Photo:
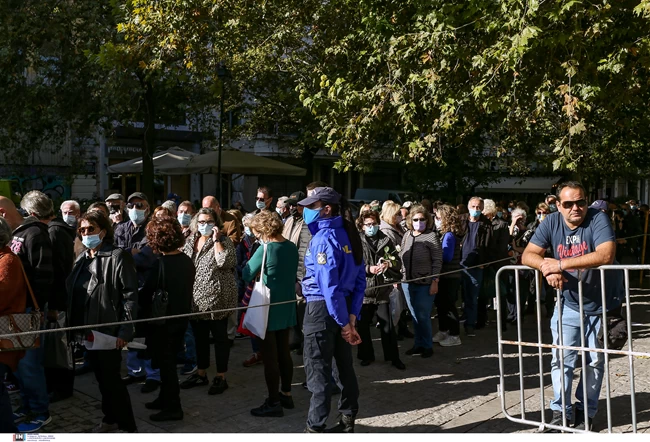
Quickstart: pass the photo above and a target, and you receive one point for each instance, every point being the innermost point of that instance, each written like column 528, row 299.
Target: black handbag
column 160, row 298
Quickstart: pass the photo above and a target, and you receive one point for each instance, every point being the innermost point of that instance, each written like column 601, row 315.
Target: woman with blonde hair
column 280, row 258
column 421, row 255
column 449, row 227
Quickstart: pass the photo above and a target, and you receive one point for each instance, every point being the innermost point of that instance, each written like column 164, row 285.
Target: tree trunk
column 148, row 143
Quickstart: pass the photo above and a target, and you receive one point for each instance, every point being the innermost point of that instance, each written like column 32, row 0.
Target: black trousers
column 59, row 380
column 219, row 328
column 445, row 302
column 278, row 365
column 164, row 359
column 116, row 403
column 323, row 343
column 296, row 337
column 365, row 350
column 6, row 415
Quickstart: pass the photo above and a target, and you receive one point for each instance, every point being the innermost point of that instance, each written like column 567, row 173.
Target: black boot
column 167, row 415
column 268, row 410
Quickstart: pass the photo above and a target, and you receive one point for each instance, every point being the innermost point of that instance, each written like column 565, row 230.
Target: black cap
column 295, row 197
column 140, row 195
column 324, row 194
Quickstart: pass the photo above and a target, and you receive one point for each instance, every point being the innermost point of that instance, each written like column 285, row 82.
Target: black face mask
column 294, row 212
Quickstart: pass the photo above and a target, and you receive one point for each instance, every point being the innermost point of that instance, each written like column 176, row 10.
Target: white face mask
column 438, row 223
column 260, row 205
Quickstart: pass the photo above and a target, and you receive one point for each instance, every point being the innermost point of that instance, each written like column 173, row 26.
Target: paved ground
column 454, row 391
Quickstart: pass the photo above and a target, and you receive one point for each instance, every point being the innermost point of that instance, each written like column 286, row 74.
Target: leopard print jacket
column 215, row 287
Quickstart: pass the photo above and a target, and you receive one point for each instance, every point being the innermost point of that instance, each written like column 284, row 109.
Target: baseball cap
column 140, row 195
column 295, row 197
column 115, row 196
column 599, row 205
column 324, row 194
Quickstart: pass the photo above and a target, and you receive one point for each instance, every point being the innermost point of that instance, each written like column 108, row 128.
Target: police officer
column 333, row 287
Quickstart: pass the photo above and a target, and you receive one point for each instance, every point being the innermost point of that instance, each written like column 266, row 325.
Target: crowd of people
column 335, row 276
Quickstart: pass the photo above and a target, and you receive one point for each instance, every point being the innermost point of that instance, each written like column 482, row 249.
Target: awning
column 233, row 162
column 520, row 185
column 174, row 156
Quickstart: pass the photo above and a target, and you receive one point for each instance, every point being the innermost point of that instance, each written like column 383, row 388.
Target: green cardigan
column 280, row 277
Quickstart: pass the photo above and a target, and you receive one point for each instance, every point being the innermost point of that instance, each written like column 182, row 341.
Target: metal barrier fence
column 582, row 348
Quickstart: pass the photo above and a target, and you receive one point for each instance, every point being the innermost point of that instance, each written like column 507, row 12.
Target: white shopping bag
column 102, row 341
column 256, row 318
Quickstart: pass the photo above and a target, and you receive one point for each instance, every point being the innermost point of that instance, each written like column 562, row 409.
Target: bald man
column 231, row 226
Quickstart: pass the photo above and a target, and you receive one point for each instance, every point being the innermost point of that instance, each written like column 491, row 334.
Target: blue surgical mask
column 633, row 207
column 499, row 214
column 260, row 205
column 509, row 209
column 311, row 215
column 206, row 229
column 475, row 213
column 552, row 207
column 624, row 212
column 70, row 220
column 91, row 241
column 137, row 216
column 247, row 231
column 371, row 230
column 184, row 219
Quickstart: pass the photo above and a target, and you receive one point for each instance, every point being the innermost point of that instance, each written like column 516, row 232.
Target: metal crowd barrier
column 630, row 353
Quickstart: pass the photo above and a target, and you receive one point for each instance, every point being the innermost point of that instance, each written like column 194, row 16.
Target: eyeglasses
column 205, row 222
column 419, row 219
column 86, row 230
column 569, row 204
column 135, row 205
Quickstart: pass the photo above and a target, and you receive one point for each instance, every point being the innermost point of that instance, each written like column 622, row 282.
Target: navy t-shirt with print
column 565, row 243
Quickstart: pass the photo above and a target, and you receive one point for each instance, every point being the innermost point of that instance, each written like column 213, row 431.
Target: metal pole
column 606, row 347
column 585, row 367
column 223, row 92
column 628, row 311
column 561, row 354
column 538, row 284
column 521, row 356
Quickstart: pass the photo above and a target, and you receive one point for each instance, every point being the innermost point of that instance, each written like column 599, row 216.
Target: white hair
column 38, row 204
column 169, row 204
column 282, row 201
column 75, row 204
column 489, row 207
column 519, row 212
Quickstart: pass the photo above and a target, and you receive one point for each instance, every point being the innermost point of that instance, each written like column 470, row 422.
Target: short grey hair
column 169, row 204
column 5, row 232
column 38, row 203
column 75, row 204
column 519, row 212
column 247, row 219
column 282, row 201
column 489, row 207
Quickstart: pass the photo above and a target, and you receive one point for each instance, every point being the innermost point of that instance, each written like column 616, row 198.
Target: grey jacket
column 421, row 256
column 112, row 291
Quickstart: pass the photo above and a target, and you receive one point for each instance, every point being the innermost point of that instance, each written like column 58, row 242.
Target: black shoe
column 345, row 425
column 149, row 386
column 556, row 420
column 414, row 351
column 167, row 415
column 426, row 353
column 580, row 421
column 219, row 385
column 268, row 410
column 367, row 362
column 287, row 402
column 399, row 364
column 154, row 405
column 194, row 381
column 470, row 331
column 128, row 380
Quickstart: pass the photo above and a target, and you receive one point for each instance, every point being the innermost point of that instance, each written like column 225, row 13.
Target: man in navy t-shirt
column 581, row 238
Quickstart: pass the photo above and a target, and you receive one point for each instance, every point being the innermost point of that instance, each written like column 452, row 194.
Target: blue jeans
column 471, row 280
column 140, row 368
column 592, row 374
column 420, row 303
column 190, row 346
column 31, row 379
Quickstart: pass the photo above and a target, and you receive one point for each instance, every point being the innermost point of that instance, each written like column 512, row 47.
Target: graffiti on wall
column 52, row 185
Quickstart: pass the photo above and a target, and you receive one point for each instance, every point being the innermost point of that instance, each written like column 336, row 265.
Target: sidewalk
column 454, row 391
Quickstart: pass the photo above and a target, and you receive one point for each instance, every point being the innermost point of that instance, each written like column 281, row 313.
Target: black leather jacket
column 112, row 291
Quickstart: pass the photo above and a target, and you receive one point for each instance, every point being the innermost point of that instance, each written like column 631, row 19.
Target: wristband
column 559, row 264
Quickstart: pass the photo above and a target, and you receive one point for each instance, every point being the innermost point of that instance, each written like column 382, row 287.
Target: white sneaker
column 440, row 336
column 450, row 341
column 103, row 427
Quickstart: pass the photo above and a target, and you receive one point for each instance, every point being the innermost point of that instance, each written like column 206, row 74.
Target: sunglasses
column 569, row 204
column 260, row 199
column 86, row 230
column 135, row 206
column 419, row 219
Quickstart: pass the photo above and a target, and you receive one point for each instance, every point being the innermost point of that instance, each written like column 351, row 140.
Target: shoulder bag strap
column 161, row 275
column 263, row 264
column 29, row 286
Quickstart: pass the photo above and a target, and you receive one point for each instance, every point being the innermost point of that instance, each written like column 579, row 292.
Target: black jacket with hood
column 112, row 290
column 62, row 237
column 31, row 242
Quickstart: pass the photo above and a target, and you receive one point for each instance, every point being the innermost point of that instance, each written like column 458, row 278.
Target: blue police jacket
column 331, row 273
